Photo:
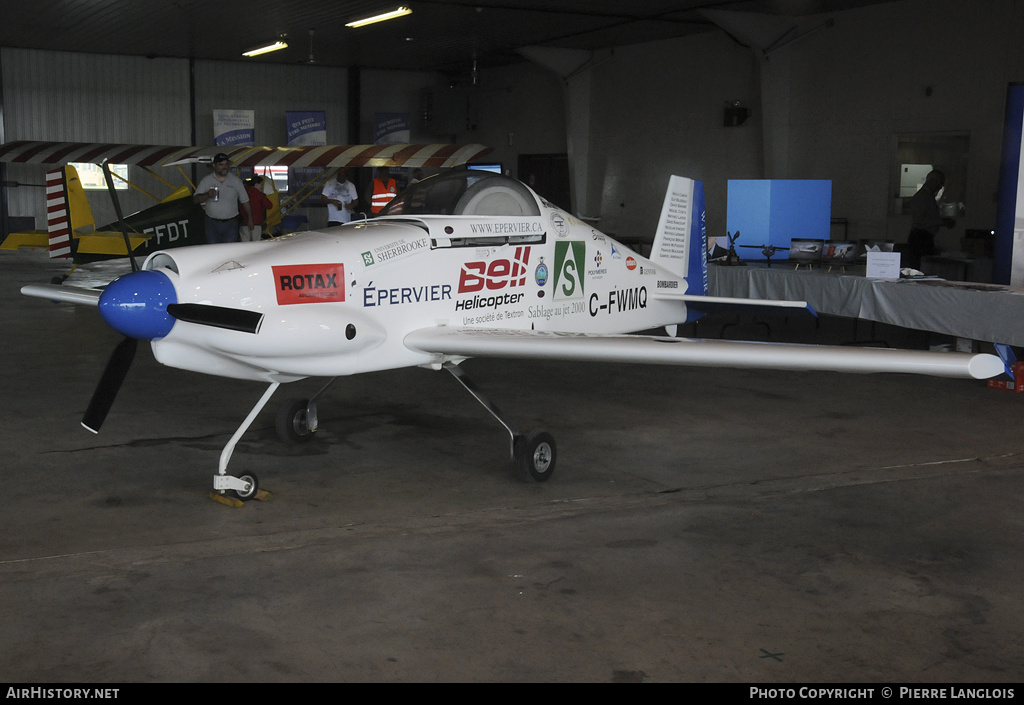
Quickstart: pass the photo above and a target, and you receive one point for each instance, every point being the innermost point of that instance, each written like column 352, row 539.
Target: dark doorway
column 548, row 175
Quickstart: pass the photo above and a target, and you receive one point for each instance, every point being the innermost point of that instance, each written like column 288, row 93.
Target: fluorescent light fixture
column 266, row 48
column 400, row 12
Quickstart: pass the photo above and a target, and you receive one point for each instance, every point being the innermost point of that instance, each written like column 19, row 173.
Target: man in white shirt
column 340, row 197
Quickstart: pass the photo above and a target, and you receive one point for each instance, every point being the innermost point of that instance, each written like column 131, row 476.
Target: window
column 92, row 178
column 916, row 155
column 279, row 174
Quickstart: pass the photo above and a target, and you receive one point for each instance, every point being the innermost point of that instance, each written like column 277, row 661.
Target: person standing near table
column 925, row 220
column 222, row 196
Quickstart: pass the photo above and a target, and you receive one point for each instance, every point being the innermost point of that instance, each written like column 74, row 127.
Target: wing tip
column 986, row 366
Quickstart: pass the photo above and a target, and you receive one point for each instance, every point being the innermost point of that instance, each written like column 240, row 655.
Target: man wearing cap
column 222, row 195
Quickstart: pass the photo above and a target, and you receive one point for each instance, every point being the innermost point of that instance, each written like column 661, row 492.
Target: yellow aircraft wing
column 31, row 238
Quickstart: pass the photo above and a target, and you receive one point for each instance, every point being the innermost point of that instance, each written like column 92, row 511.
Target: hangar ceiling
column 439, row 36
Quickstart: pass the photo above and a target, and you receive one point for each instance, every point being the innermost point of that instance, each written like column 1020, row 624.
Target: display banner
column 305, row 128
column 234, row 128
column 392, row 128
column 772, row 212
column 1008, row 264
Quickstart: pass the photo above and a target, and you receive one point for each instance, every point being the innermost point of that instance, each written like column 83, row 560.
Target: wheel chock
column 226, row 501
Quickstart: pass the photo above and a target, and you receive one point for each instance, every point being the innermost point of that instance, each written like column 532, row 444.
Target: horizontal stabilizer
column 36, row 239
column 725, row 304
column 463, row 342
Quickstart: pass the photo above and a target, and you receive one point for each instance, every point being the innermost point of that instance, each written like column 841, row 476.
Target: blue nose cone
column 136, row 305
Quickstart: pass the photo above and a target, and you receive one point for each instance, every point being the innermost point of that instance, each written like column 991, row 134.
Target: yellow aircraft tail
column 67, row 209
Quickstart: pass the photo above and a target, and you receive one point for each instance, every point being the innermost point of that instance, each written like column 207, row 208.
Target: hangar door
column 548, row 175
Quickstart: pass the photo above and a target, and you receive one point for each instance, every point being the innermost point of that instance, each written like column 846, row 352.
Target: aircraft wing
column 466, row 342
column 431, row 156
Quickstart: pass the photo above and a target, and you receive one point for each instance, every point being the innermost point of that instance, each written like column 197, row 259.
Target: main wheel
column 535, row 456
column 253, row 487
column 291, row 422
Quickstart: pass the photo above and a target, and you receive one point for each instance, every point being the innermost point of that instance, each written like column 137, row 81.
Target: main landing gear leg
column 534, row 453
column 244, row 486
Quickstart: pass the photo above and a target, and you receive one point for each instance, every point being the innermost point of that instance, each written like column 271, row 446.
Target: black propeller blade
column 106, row 391
column 217, row 316
column 120, row 218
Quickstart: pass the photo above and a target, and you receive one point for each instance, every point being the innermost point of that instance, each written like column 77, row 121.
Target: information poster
column 305, row 128
column 234, row 128
column 883, row 265
column 392, row 128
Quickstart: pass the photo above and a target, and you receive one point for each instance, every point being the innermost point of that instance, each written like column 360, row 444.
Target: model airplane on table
column 464, row 264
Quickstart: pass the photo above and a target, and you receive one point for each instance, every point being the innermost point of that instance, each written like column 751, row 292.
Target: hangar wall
column 521, row 111
column 933, row 67
column 656, row 109
column 845, row 93
column 94, row 97
column 89, row 98
column 269, row 90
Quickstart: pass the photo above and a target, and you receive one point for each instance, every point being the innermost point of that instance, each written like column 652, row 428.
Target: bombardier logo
column 309, row 283
column 498, row 274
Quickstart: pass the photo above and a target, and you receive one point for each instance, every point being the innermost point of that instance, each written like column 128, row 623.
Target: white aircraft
column 465, row 264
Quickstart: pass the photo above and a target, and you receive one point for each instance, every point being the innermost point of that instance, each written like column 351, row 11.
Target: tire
column 291, row 422
column 254, row 486
column 535, row 456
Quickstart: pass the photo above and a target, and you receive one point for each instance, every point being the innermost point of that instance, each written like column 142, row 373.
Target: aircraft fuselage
column 340, row 301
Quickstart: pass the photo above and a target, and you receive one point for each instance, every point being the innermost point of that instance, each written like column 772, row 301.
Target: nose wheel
column 244, row 486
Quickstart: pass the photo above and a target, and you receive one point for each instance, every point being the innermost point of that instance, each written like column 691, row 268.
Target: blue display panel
column 1010, row 186
column 774, row 212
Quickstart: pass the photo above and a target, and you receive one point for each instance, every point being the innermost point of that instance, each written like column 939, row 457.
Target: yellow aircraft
column 175, row 221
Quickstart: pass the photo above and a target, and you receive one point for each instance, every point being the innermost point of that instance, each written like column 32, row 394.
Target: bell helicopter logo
column 499, row 274
column 309, row 283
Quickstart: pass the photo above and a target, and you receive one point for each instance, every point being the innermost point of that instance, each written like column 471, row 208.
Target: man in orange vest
column 381, row 190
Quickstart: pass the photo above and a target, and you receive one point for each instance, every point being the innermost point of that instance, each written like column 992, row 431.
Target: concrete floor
column 702, row 526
